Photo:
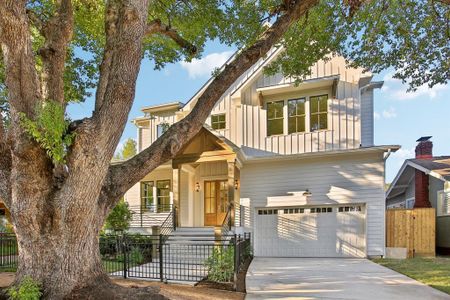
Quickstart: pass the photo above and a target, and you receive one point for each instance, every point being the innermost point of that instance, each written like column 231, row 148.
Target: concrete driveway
column 331, row 278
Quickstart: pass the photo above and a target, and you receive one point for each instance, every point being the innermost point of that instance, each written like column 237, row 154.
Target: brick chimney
column 424, row 150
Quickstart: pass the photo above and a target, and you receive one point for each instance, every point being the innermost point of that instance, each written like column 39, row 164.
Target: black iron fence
column 8, row 252
column 177, row 258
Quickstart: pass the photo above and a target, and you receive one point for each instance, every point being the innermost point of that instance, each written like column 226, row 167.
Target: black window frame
column 315, row 116
column 296, row 116
column 276, row 118
column 218, row 124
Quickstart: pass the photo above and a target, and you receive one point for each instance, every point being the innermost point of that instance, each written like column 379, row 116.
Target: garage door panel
column 330, row 234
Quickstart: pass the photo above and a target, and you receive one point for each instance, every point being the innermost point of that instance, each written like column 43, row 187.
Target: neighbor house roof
column 438, row 167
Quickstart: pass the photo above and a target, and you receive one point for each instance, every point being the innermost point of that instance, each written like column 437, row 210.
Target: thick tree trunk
column 60, row 252
column 60, row 262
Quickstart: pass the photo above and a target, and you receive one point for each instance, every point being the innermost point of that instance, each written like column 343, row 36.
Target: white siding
column 367, row 119
column 349, row 118
column 349, row 179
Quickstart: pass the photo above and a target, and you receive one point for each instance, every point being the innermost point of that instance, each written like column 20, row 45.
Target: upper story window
column 218, row 121
column 296, row 115
column 318, row 112
column 161, row 128
column 305, row 114
column 275, row 118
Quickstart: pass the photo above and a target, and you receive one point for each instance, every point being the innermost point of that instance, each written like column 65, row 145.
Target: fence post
column 174, row 217
column 161, row 273
column 125, row 257
column 236, row 261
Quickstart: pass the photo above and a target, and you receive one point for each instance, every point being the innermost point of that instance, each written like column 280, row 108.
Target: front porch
column 200, row 186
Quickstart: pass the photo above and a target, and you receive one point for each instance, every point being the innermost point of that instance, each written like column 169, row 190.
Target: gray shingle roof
column 438, row 164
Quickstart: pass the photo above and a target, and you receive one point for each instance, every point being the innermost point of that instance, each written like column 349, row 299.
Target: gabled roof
column 438, row 167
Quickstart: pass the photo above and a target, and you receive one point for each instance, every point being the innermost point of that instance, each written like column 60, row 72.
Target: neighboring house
column 297, row 164
column 425, row 182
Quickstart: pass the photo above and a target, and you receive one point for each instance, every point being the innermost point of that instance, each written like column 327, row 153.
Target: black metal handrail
column 226, row 224
column 169, row 224
column 147, row 216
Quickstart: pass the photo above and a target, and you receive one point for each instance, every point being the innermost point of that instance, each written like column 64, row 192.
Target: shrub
column 28, row 289
column 136, row 256
column 119, row 218
column 221, row 265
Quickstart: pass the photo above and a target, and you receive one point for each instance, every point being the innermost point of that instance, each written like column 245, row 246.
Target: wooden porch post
column 231, row 190
column 176, row 190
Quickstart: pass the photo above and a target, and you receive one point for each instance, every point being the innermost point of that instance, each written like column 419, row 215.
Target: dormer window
column 297, row 115
column 318, row 112
column 275, row 118
column 218, row 121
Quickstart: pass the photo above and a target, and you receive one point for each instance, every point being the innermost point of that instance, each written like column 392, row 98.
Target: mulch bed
column 229, row 286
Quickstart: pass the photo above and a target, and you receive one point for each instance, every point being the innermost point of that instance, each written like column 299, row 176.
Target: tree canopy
column 411, row 36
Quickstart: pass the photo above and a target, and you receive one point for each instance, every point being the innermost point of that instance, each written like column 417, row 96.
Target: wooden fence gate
column 413, row 229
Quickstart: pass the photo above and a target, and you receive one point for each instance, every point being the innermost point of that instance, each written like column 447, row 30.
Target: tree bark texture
column 57, row 219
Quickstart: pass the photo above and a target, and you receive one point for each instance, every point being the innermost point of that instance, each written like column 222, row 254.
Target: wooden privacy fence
column 413, row 229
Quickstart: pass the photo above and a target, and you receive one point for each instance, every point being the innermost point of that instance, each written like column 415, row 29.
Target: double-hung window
column 275, row 118
column 147, row 200
column 296, row 115
column 163, row 194
column 318, row 112
column 218, row 121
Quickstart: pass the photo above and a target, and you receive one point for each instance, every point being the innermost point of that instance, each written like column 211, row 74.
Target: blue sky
column 400, row 117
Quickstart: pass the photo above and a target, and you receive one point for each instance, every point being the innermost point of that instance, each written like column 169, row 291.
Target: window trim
column 439, row 207
column 219, row 122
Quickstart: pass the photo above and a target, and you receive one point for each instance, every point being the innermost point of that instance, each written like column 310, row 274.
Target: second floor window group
column 300, row 114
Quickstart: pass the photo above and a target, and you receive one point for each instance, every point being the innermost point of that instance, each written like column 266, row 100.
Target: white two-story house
column 295, row 165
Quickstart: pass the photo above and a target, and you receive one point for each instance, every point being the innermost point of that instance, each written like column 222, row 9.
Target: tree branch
column 157, row 27
column 111, row 18
column 123, row 176
column 57, row 32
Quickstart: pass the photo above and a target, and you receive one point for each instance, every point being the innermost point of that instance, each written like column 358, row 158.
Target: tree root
column 109, row 291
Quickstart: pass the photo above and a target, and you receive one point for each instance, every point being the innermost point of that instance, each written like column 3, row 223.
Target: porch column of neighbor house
column 232, row 192
column 176, row 191
column 155, row 198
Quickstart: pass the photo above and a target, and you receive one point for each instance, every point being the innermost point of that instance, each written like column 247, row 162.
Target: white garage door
column 321, row 231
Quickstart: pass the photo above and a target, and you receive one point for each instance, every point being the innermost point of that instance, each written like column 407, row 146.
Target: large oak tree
column 55, row 175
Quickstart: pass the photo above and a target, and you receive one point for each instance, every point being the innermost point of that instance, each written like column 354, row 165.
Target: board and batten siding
column 355, row 178
column 350, row 117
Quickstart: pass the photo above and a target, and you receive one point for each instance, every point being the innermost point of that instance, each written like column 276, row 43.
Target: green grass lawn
column 434, row 272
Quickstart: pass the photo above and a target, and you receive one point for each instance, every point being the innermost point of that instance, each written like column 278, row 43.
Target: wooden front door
column 216, row 202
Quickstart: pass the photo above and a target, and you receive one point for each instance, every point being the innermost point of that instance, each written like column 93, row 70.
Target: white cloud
column 204, row 66
column 389, row 113
column 385, row 114
column 403, row 154
column 397, row 90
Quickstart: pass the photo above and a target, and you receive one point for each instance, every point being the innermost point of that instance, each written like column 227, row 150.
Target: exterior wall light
column 197, row 187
